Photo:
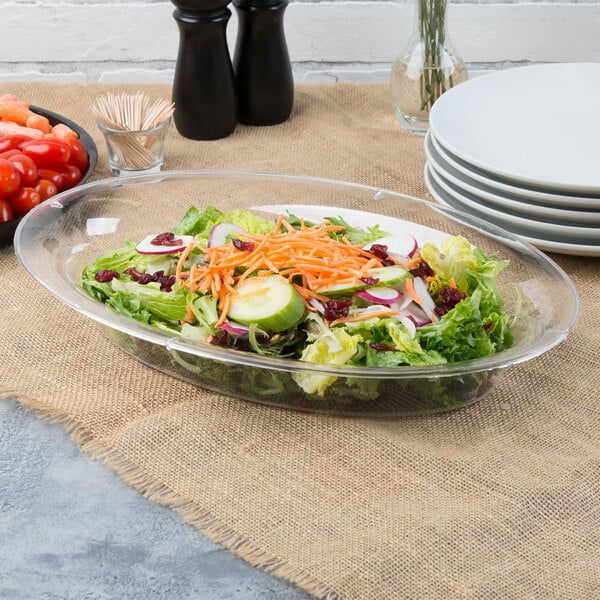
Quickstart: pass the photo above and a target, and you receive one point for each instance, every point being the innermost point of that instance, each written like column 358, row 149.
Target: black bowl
column 7, row 229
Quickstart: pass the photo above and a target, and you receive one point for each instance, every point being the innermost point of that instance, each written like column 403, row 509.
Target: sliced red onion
column 235, row 329
column 147, row 247
column 317, row 304
column 422, row 290
column 416, row 314
column 219, row 233
column 402, row 244
column 409, row 324
column 399, row 258
column 380, row 295
column 373, row 308
column 404, row 301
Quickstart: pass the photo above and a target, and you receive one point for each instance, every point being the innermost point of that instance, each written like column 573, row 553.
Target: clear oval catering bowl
column 58, row 238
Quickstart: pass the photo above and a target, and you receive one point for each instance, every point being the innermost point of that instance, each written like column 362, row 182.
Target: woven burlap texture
column 497, row 500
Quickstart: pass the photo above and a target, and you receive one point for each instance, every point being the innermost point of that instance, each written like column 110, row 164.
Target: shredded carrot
column 182, row 259
column 308, row 257
column 452, row 283
column 224, row 310
column 190, row 315
column 413, row 262
column 410, row 288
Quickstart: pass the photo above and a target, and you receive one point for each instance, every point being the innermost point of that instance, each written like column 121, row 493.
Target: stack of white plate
column 521, row 148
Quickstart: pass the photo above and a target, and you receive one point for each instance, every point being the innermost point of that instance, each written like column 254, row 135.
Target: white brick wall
column 334, row 40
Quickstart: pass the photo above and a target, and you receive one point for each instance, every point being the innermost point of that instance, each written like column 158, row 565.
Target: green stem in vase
column 432, row 31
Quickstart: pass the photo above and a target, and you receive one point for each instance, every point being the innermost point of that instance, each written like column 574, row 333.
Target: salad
column 325, row 292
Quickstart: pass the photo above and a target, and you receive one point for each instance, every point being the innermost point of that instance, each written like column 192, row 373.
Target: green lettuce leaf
column 358, row 236
column 406, row 350
column 460, row 334
column 334, row 349
column 147, row 302
column 248, row 222
column 198, row 222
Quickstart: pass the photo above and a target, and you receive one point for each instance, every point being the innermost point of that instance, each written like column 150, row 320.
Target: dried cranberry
column 422, row 270
column 142, row 278
column 379, row 250
column 450, row 297
column 382, row 347
column 245, row 246
column 370, row 280
column 106, row 275
column 387, row 262
column 166, row 239
column 166, row 281
column 336, row 309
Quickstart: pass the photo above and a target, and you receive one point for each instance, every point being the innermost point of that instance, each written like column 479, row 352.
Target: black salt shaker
column 265, row 85
column 204, row 91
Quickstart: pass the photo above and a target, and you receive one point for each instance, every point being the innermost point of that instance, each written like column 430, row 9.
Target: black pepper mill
column 265, row 85
column 204, row 85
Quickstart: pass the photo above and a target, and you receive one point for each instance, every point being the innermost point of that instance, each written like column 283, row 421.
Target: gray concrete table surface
column 71, row 529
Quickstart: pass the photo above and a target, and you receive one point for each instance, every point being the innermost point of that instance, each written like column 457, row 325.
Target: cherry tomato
column 6, row 211
column 79, row 157
column 54, row 176
column 46, row 189
column 13, row 141
column 50, row 153
column 24, row 200
column 9, row 178
column 9, row 153
column 71, row 175
column 27, row 169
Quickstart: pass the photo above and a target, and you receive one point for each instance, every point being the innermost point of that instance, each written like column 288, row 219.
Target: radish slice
column 180, row 243
column 235, row 329
column 400, row 244
column 381, row 295
column 422, row 290
column 219, row 233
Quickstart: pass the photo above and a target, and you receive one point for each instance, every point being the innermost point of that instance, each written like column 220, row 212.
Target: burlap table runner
column 498, row 500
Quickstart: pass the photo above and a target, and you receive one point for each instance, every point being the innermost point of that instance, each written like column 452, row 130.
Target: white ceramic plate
column 563, row 247
column 566, row 233
column 506, row 202
column 484, row 181
column 538, row 125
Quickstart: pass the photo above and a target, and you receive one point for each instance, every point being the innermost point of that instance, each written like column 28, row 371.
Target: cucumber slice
column 386, row 276
column 342, row 289
column 389, row 276
column 269, row 302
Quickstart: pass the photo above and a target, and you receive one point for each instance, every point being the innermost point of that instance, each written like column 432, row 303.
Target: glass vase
column 427, row 66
